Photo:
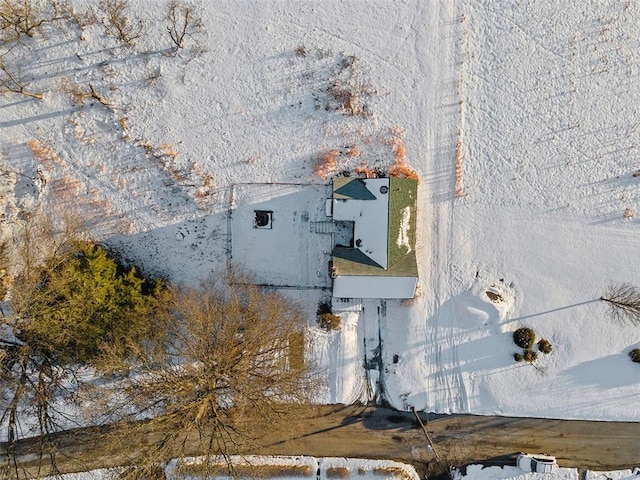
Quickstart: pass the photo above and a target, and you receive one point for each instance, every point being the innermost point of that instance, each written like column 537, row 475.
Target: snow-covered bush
column 530, row 356
column 545, row 346
column 524, row 338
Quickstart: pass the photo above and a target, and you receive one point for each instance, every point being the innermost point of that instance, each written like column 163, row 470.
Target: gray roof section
column 354, row 189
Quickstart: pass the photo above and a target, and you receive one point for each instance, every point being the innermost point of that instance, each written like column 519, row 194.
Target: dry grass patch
column 400, row 169
column 396, row 472
column 124, row 125
column 326, row 163
column 117, row 22
column 296, row 350
column 338, row 472
column 352, row 151
column 44, row 154
column 348, row 93
column 329, row 321
column 80, row 94
column 459, row 168
column 66, row 189
column 5, row 279
column 245, row 470
column 364, row 170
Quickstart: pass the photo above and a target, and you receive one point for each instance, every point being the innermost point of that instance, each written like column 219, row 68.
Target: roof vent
column 384, row 189
column 358, row 243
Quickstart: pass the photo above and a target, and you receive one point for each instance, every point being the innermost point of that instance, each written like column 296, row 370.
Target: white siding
column 374, row 287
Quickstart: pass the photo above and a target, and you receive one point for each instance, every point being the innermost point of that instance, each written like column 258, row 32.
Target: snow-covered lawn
column 480, row 472
column 333, row 467
column 283, row 468
column 548, row 128
column 520, row 118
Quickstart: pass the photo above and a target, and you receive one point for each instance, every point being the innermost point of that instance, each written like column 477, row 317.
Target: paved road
column 463, row 439
column 375, row 432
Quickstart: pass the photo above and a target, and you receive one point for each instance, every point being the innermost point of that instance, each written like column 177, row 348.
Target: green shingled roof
column 405, row 267
column 403, row 195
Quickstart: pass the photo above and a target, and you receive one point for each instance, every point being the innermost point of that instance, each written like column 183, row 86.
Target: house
column 374, row 236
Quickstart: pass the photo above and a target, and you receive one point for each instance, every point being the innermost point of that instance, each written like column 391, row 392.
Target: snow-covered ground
column 481, row 472
column 319, row 468
column 332, row 467
column 548, row 128
column 520, row 118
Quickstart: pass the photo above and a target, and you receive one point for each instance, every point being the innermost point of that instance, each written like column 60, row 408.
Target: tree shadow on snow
column 612, row 371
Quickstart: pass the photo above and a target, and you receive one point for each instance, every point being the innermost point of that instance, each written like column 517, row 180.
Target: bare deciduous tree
column 30, row 379
column 624, row 300
column 20, row 17
column 70, row 306
column 11, row 83
column 229, row 364
column 80, row 94
column 118, row 23
column 183, row 21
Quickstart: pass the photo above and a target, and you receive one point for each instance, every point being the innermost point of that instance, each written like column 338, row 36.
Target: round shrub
column 518, row 357
column 635, row 355
column 524, row 338
column 545, row 346
column 530, row 356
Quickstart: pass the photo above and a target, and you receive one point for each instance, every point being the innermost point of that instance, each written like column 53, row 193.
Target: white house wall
column 362, row 286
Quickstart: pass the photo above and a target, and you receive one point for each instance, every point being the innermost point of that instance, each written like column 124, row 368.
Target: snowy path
column 337, row 357
column 430, row 365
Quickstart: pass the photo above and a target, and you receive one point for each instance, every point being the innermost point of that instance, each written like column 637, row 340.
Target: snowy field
column 520, row 117
column 548, row 122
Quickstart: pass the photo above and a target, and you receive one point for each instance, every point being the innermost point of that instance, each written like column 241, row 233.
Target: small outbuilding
column 375, row 231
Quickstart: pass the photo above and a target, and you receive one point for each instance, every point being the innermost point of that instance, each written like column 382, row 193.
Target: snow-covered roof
column 382, row 252
column 370, row 215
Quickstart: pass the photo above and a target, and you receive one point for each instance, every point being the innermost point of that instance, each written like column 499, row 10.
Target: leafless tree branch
column 183, row 21
column 624, row 302
column 118, row 23
column 20, row 17
column 228, row 363
column 10, row 83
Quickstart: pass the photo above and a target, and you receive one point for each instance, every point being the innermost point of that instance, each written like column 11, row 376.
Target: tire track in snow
column 446, row 380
